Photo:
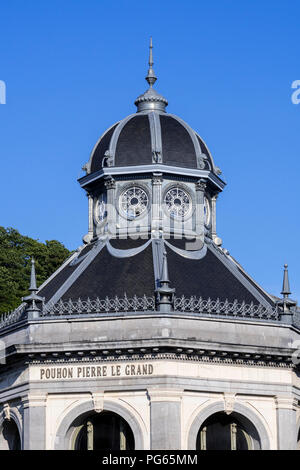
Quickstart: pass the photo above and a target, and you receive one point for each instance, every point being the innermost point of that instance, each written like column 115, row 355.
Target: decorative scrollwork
column 117, row 304
column 195, row 305
column 218, row 307
column 8, row 318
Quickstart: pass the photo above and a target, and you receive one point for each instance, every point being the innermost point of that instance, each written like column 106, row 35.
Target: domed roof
column 151, row 137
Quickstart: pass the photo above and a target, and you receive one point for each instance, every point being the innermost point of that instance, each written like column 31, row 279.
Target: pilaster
column 156, row 222
column 214, row 216
column 91, row 218
column 200, row 216
column 165, row 419
column 34, row 422
column 110, row 185
column 286, row 423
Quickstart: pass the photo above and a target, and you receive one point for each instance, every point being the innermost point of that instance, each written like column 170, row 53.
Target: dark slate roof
column 101, row 148
column 134, row 143
column 207, row 278
column 105, row 275
column 211, row 277
column 177, row 145
column 110, row 276
column 131, row 141
column 61, row 276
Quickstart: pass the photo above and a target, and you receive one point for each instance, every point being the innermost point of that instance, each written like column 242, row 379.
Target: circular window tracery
column 178, row 202
column 133, row 202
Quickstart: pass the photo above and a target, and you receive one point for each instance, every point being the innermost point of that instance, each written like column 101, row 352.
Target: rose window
column 133, row 202
column 178, row 202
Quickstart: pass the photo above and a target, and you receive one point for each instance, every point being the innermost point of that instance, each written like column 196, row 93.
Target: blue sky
column 73, row 68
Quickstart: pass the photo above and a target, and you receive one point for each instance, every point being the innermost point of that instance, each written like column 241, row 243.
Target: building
column 151, row 335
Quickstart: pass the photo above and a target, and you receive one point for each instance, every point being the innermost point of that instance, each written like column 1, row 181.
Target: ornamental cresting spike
column 32, row 309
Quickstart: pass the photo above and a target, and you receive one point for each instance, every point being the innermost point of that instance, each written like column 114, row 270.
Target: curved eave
column 154, row 168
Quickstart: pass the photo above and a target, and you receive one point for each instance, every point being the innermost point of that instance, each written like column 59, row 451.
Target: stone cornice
column 211, row 356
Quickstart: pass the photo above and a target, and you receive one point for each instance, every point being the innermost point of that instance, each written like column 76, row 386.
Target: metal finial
column 286, row 291
column 150, row 53
column 151, row 100
column 151, row 77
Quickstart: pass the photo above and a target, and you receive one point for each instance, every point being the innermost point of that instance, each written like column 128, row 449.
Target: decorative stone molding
column 108, row 159
column 287, row 403
column 165, row 395
column 110, row 183
column 98, row 399
column 201, row 185
column 6, row 411
column 157, row 178
column 156, row 156
column 150, row 352
column 229, row 400
column 34, row 400
column 201, row 161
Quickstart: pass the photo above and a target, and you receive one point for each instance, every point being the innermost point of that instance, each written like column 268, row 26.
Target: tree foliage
column 16, row 251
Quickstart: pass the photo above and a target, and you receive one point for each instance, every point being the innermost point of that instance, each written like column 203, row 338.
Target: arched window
column 224, row 432
column 9, row 436
column 104, row 431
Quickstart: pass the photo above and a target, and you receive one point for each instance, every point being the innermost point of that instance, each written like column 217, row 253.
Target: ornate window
column 101, row 211
column 133, row 202
column 178, row 202
column 223, row 432
column 104, row 431
column 206, row 211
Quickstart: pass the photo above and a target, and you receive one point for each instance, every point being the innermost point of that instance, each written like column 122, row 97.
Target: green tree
column 16, row 251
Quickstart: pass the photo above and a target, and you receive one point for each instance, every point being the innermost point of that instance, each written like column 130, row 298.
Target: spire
column 151, row 77
column 32, row 287
column 164, row 280
column 164, row 292
column 285, row 303
column 33, row 297
column 151, row 100
column 286, row 291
